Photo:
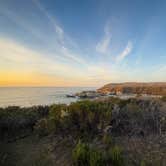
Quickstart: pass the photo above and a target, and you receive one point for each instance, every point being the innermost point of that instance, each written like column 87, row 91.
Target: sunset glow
column 40, row 47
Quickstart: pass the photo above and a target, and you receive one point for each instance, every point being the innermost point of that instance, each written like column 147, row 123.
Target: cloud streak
column 56, row 61
column 35, row 68
column 23, row 58
column 58, row 29
column 62, row 37
column 103, row 45
column 57, row 43
column 125, row 52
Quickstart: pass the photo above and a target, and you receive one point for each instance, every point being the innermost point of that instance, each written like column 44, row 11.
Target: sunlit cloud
column 37, row 49
column 20, row 56
column 125, row 52
column 103, row 45
column 57, row 40
column 35, row 68
column 66, row 52
column 31, row 67
column 63, row 38
column 23, row 66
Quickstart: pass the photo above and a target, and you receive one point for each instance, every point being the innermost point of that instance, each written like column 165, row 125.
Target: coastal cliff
column 155, row 88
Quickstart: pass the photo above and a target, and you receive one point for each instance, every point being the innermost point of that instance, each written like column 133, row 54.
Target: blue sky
column 82, row 43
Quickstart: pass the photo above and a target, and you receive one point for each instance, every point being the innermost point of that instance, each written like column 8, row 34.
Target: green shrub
column 116, row 157
column 41, row 127
column 113, row 156
column 163, row 98
column 56, row 111
column 107, row 139
column 142, row 163
column 88, row 117
column 96, row 158
column 81, row 154
column 55, row 117
column 17, row 120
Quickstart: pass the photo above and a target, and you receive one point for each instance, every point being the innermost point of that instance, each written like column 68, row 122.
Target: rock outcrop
column 155, row 88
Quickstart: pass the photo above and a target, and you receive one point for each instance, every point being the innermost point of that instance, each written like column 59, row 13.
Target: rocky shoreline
column 98, row 94
column 125, row 90
column 139, row 88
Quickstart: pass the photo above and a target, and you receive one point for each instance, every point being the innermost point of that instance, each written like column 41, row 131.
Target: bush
column 15, row 121
column 81, row 154
column 55, row 117
column 107, row 139
column 142, row 163
column 116, row 156
column 41, row 127
column 55, row 111
column 96, row 158
column 88, row 117
column 84, row 155
column 163, row 98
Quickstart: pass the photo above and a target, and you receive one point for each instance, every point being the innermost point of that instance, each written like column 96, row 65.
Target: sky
column 82, row 42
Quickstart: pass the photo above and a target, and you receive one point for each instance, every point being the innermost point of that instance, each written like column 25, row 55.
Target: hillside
column 104, row 132
column 155, row 88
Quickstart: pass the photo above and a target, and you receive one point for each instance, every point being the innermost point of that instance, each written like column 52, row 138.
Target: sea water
column 29, row 96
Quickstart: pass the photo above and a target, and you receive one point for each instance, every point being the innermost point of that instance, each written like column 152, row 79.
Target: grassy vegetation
column 102, row 126
column 83, row 155
column 15, row 120
column 163, row 98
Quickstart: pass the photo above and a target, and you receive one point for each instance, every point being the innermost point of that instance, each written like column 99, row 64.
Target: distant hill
column 151, row 88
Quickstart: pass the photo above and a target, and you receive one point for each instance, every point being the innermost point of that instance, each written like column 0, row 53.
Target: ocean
column 29, row 96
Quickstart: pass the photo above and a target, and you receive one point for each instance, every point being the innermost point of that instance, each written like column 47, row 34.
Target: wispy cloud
column 17, row 56
column 62, row 37
column 125, row 52
column 63, row 63
column 68, row 54
column 35, row 68
column 103, row 45
column 58, row 28
column 56, row 40
column 20, row 61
